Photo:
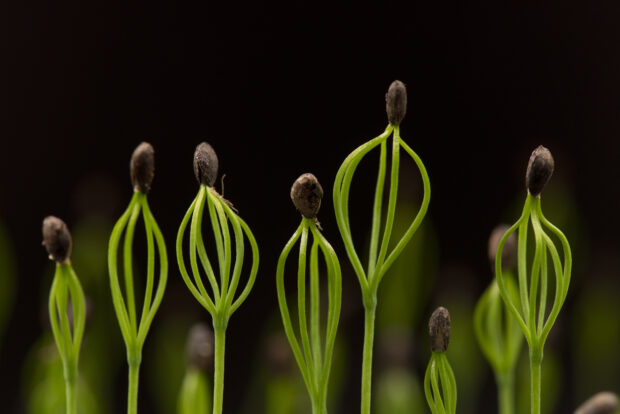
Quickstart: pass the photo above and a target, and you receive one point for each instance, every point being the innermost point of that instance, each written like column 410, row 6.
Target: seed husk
column 142, row 167
column 206, row 164
column 57, row 239
column 306, row 194
column 539, row 170
column 439, row 329
column 396, row 102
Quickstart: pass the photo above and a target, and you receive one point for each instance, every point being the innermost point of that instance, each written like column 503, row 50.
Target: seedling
column 222, row 303
column 313, row 357
column 379, row 259
column 531, row 312
column 134, row 331
column 439, row 381
column 497, row 331
column 195, row 396
column 66, row 298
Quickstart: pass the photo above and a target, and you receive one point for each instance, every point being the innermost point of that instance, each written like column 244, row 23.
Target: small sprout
column 396, row 102
column 509, row 254
column 57, row 239
column 539, row 170
column 142, row 167
column 306, row 194
column 205, row 164
column 439, row 329
column 601, row 403
column 199, row 346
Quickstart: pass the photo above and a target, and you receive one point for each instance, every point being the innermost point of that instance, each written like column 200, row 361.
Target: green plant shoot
column 313, row 356
column 497, row 331
column 439, row 381
column 531, row 311
column 379, row 259
column 134, row 327
column 222, row 303
column 67, row 305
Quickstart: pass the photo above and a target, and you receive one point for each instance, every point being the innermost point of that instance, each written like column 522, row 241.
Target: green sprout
column 134, row 331
column 531, row 313
column 67, row 305
column 313, row 357
column 497, row 331
column 379, row 259
column 195, row 396
column 222, row 304
column 439, row 381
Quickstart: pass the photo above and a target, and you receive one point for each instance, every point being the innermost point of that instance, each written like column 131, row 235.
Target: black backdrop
column 281, row 88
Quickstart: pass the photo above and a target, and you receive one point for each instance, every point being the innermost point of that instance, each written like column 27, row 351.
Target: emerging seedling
column 221, row 304
column 439, row 381
column 66, row 299
column 134, row 330
column 531, row 310
column 194, row 396
column 601, row 403
column 497, row 331
column 313, row 356
column 380, row 259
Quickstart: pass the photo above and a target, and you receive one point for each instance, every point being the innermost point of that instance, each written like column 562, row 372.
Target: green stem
column 369, row 334
column 319, row 407
column 71, row 395
column 535, row 373
column 505, row 392
column 132, row 395
column 218, row 375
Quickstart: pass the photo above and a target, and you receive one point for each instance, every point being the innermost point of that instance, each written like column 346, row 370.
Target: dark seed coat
column 142, row 167
column 306, row 194
column 200, row 346
column 396, row 102
column 206, row 164
column 509, row 253
column 439, row 329
column 539, row 170
column 57, row 239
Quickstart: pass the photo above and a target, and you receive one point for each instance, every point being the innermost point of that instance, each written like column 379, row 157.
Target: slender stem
column 535, row 374
column 505, row 392
column 71, row 395
column 369, row 334
column 218, row 375
column 132, row 395
column 319, row 406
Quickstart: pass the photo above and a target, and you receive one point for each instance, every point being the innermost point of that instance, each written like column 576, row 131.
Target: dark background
column 282, row 88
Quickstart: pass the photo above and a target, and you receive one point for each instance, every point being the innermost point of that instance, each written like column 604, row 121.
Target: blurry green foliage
column 595, row 331
column 398, row 390
column 44, row 384
column 195, row 394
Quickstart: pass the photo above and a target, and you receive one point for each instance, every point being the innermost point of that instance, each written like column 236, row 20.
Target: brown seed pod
column 396, row 102
column 439, row 329
column 539, row 170
column 199, row 346
column 206, row 164
column 142, row 167
column 509, row 253
column 306, row 194
column 601, row 403
column 57, row 239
